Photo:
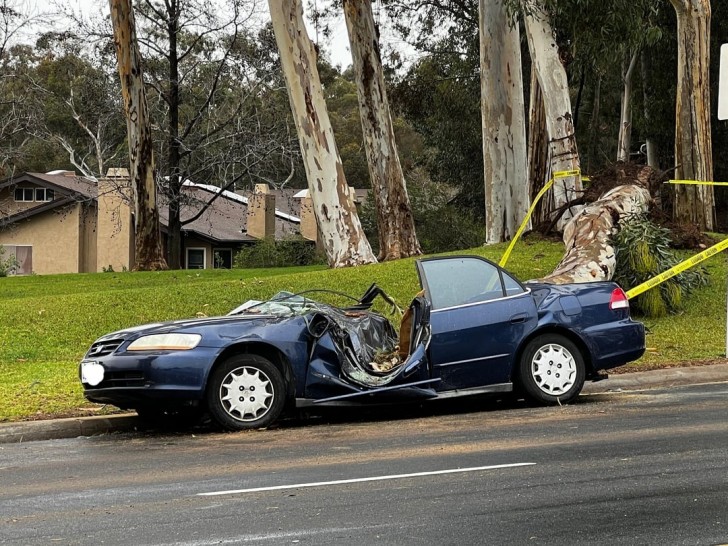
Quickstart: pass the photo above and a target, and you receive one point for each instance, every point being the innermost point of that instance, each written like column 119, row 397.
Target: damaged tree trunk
column 503, row 120
column 396, row 225
column 343, row 237
column 147, row 244
column 589, row 253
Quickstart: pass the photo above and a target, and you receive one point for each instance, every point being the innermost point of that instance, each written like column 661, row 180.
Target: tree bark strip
column 538, row 152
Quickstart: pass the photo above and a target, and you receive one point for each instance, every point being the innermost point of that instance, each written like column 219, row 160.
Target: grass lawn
column 48, row 322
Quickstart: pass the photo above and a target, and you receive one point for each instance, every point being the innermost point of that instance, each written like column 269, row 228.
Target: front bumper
column 133, row 379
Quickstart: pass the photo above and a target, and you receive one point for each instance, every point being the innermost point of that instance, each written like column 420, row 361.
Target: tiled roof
column 225, row 220
column 69, row 181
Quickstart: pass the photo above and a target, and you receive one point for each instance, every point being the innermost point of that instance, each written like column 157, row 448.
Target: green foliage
column 643, row 251
column 286, row 253
column 441, row 226
column 6, row 264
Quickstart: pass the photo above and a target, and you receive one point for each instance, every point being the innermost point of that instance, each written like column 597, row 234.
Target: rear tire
column 246, row 392
column 551, row 370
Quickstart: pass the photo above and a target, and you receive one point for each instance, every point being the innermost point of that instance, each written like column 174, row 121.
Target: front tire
column 551, row 370
column 245, row 392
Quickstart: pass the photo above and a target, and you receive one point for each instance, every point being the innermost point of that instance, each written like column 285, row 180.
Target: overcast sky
column 337, row 45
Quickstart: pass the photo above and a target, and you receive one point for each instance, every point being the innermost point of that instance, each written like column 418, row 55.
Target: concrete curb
column 663, row 378
column 52, row 429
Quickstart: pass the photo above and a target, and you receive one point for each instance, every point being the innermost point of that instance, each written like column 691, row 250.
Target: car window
column 459, row 281
column 512, row 286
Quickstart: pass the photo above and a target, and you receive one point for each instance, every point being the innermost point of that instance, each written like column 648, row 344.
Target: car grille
column 122, row 379
column 103, row 348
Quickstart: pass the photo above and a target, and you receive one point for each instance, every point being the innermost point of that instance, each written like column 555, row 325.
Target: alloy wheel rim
column 553, row 368
column 246, row 394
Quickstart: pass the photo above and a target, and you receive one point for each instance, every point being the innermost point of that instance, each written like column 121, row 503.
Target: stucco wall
column 54, row 236
column 114, row 229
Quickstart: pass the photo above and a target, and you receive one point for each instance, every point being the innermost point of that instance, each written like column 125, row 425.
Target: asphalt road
column 628, row 468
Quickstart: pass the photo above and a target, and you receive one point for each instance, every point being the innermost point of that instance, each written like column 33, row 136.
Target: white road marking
column 360, row 480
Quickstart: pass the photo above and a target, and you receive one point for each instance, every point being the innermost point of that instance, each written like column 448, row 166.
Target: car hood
column 198, row 325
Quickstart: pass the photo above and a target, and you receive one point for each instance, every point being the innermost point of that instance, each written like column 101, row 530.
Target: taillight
column 618, row 300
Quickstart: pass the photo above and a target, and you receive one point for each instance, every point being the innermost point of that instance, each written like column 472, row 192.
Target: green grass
column 48, row 322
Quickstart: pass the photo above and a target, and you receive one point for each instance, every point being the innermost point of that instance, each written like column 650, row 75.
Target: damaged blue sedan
column 472, row 329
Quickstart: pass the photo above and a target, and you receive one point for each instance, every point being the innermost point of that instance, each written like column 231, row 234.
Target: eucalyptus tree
column 563, row 154
column 504, row 127
column 343, row 237
column 183, row 40
column 147, row 245
column 694, row 204
column 396, row 227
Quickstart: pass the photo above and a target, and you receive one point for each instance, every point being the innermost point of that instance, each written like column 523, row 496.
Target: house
column 59, row 222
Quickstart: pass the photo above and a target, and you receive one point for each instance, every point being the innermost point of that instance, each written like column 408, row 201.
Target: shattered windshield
column 283, row 304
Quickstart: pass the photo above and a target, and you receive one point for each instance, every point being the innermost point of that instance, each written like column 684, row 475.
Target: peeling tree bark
column 693, row 146
column 537, row 151
column 343, row 237
column 397, row 236
column 503, row 120
column 147, row 243
column 559, row 120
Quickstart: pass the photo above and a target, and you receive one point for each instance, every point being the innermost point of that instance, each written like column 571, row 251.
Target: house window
column 43, row 194
column 222, row 258
column 24, row 195
column 195, row 258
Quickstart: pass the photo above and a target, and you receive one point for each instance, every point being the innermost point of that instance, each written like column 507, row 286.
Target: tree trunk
column 343, row 237
column 174, row 186
column 624, row 140
column 594, row 122
column 650, row 144
column 396, row 226
column 589, row 253
column 693, row 147
column 559, row 120
column 538, row 153
column 147, row 244
column 504, row 126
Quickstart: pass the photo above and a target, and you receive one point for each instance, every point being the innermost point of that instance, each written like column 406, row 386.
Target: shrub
column 7, row 264
column 270, row 253
column 440, row 226
column 643, row 251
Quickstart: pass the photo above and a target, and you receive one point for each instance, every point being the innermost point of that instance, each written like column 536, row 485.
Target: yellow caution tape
column 697, row 183
column 566, row 174
column 557, row 175
column 676, row 270
column 507, row 253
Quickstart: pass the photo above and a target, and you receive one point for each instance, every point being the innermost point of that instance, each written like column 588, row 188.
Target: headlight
column 166, row 342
